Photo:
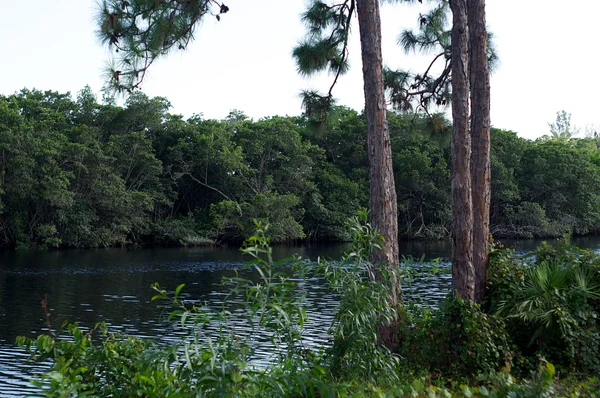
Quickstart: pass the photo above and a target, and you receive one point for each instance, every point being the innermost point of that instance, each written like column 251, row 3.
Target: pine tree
column 463, row 274
column 325, row 48
column 480, row 142
column 422, row 92
column 561, row 129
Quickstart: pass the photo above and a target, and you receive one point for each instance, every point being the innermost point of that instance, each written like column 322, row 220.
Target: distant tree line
column 77, row 173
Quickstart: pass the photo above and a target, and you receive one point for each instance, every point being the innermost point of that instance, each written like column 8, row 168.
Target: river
column 113, row 285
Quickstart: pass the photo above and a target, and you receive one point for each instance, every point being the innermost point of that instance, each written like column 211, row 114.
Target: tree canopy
column 78, row 173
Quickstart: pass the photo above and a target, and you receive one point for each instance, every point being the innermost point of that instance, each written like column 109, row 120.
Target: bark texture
column 463, row 275
column 480, row 142
column 382, row 190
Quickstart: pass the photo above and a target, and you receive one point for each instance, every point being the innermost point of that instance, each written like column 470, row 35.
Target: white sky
column 244, row 62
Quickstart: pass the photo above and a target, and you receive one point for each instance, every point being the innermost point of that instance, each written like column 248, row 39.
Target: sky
column 244, row 62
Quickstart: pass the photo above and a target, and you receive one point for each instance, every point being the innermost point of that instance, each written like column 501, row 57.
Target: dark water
column 113, row 285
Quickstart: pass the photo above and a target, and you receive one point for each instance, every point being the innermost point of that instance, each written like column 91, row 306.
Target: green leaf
column 548, row 373
column 187, row 356
column 178, row 289
column 466, row 391
column 236, row 377
column 418, row 385
column 56, row 376
column 174, row 314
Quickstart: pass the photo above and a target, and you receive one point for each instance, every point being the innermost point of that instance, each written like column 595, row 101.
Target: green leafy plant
column 357, row 351
column 549, row 303
column 456, row 339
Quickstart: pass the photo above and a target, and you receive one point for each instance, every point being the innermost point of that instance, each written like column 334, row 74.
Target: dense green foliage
column 457, row 350
column 456, row 338
column 76, row 173
column 550, row 303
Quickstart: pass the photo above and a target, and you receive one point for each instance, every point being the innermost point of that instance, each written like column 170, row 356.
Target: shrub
column 357, row 352
column 179, row 232
column 233, row 221
column 549, row 302
column 48, row 236
column 528, row 220
column 457, row 338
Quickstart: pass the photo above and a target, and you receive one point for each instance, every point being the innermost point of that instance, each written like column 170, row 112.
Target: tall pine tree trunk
column 480, row 141
column 382, row 192
column 463, row 275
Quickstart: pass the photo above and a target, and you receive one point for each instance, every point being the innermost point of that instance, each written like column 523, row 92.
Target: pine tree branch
column 325, row 47
column 437, row 83
column 345, row 48
column 141, row 32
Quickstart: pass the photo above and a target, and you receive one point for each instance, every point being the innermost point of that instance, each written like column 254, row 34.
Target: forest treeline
column 77, row 173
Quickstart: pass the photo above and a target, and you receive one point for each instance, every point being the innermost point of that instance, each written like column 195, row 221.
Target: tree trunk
column 382, row 191
column 463, row 275
column 480, row 141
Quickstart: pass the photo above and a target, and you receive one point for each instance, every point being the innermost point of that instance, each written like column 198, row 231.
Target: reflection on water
column 113, row 285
